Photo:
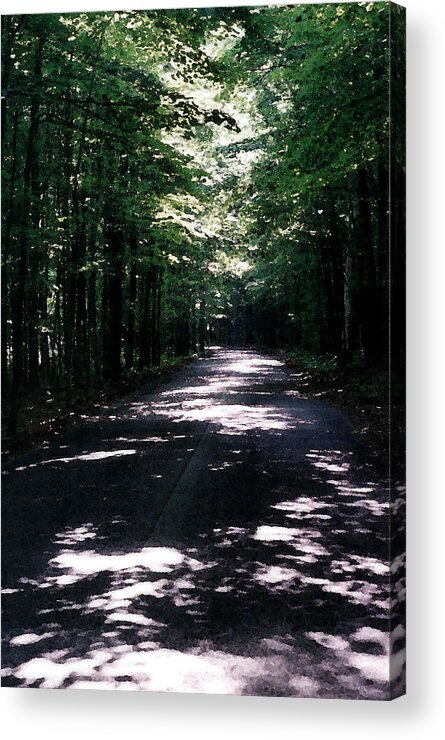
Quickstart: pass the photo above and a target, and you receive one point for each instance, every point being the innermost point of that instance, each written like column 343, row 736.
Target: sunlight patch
column 155, row 559
column 30, row 638
column 85, row 457
column 275, row 534
column 274, row 574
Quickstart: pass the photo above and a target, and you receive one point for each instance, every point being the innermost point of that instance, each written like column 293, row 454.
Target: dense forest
column 184, row 178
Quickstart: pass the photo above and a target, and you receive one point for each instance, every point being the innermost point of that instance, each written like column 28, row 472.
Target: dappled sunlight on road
column 152, row 630
column 230, row 395
column 162, row 669
column 85, row 457
column 371, row 667
column 220, row 384
column 243, row 365
column 79, row 564
column 180, row 618
column 72, row 536
column 232, row 418
column 208, row 540
column 337, row 462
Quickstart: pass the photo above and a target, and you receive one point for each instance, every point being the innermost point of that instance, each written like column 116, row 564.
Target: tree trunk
column 145, row 322
column 19, row 289
column 105, row 329
column 114, row 239
column 11, row 32
column 80, row 357
column 44, row 336
column 6, row 252
column 155, row 334
column 202, row 326
column 132, row 288
column 67, row 283
column 182, row 336
column 34, row 283
column 93, row 347
column 367, row 297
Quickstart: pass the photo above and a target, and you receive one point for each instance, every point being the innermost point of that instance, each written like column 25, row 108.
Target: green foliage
column 217, row 174
column 323, row 365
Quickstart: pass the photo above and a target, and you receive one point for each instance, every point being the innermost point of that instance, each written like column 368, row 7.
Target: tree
column 171, row 178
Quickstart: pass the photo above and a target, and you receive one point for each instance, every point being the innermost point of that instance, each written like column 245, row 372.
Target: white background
column 68, row 714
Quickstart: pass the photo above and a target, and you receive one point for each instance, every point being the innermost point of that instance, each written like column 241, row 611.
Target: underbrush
column 360, row 390
column 47, row 413
column 323, row 365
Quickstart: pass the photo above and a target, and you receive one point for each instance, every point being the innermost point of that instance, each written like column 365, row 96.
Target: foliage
column 177, row 178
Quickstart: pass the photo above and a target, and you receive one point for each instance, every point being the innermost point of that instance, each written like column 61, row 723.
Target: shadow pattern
column 227, row 535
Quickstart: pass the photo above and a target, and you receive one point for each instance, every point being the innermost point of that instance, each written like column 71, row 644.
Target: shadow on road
column 226, row 535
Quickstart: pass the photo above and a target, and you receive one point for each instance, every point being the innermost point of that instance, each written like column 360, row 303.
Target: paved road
column 225, row 534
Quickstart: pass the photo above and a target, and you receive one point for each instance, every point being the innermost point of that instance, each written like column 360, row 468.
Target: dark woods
column 142, row 221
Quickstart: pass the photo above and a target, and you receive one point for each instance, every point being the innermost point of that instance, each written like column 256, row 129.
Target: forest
column 203, row 339
column 221, row 176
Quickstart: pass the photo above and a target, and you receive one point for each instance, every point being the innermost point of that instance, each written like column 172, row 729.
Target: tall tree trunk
column 44, row 336
column 114, row 239
column 202, row 326
column 382, row 277
column 76, row 329
column 155, row 320
column 93, row 348
column 57, row 335
column 35, row 280
column 67, row 284
column 19, row 288
column 132, row 287
column 145, row 320
column 80, row 358
column 336, row 263
column 6, row 252
column 11, row 26
column 367, row 300
column 105, row 328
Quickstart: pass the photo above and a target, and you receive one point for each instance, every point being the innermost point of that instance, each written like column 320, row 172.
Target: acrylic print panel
column 203, row 350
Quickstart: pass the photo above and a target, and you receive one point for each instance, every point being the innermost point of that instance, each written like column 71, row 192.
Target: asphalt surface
column 225, row 534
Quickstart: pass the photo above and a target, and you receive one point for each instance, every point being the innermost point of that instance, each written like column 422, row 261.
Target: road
column 225, row 534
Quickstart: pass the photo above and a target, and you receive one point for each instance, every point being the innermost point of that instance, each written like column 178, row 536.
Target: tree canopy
column 174, row 178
